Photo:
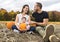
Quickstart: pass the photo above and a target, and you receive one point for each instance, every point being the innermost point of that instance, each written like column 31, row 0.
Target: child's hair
column 23, row 18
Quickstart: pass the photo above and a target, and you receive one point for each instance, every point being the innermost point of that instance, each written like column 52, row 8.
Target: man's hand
column 44, row 23
column 33, row 22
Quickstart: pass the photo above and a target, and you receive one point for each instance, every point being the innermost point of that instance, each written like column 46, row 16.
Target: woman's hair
column 24, row 7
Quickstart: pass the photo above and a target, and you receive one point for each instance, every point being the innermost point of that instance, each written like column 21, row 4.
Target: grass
column 58, row 23
column 34, row 37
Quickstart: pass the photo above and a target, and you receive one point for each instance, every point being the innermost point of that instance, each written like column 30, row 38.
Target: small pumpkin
column 10, row 24
column 22, row 26
column 33, row 24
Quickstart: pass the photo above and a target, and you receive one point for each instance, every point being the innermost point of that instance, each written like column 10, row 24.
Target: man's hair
column 39, row 4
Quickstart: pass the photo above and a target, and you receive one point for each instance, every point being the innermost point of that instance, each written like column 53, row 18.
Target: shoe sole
column 49, row 31
column 53, row 38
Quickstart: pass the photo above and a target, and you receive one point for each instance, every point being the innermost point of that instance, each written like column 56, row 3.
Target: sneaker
column 54, row 38
column 48, row 32
column 16, row 31
column 30, row 32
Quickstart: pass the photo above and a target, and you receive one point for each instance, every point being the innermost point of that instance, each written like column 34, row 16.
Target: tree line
column 10, row 16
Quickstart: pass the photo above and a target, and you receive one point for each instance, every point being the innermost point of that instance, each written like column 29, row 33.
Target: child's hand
column 28, row 27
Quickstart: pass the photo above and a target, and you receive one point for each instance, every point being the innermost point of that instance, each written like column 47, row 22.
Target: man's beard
column 36, row 10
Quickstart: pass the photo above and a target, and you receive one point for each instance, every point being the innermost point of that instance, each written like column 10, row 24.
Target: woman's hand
column 17, row 26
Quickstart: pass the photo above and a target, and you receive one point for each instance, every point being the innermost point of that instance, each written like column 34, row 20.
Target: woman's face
column 25, row 10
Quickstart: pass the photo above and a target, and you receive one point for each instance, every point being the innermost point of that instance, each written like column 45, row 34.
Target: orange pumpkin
column 22, row 26
column 10, row 24
column 33, row 24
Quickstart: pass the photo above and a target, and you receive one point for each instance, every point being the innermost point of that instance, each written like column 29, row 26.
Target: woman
column 24, row 13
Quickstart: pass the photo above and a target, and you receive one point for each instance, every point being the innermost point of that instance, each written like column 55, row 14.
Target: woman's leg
column 14, row 27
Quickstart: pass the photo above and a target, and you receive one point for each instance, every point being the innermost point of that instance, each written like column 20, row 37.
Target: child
column 28, row 28
column 24, row 25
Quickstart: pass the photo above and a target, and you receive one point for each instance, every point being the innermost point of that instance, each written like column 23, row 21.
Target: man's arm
column 45, row 20
column 44, row 23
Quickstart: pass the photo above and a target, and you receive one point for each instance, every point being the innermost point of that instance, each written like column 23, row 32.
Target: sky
column 16, row 5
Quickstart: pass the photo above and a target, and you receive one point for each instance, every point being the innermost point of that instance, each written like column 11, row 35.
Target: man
column 41, row 21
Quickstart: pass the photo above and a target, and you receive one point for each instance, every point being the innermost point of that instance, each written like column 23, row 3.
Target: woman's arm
column 16, row 22
column 29, row 20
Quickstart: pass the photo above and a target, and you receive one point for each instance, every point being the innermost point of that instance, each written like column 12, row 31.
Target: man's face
column 36, row 7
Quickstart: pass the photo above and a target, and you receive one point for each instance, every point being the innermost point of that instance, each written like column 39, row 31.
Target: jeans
column 32, row 28
column 14, row 27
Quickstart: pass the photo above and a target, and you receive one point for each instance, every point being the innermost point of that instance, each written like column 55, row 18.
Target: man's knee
column 38, row 28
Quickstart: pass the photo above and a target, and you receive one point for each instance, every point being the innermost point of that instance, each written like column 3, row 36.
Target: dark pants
column 32, row 28
column 14, row 27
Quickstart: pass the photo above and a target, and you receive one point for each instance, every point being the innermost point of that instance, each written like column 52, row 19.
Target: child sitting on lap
column 24, row 26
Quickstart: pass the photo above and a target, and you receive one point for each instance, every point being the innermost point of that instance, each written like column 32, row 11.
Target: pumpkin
column 10, row 24
column 33, row 24
column 22, row 26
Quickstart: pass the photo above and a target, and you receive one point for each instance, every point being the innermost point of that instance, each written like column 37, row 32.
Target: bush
column 54, row 16
column 1, row 17
column 7, row 17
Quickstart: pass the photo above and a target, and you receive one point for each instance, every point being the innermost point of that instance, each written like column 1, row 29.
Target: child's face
column 23, row 20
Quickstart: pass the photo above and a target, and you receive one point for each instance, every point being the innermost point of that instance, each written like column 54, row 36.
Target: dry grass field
column 10, row 36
